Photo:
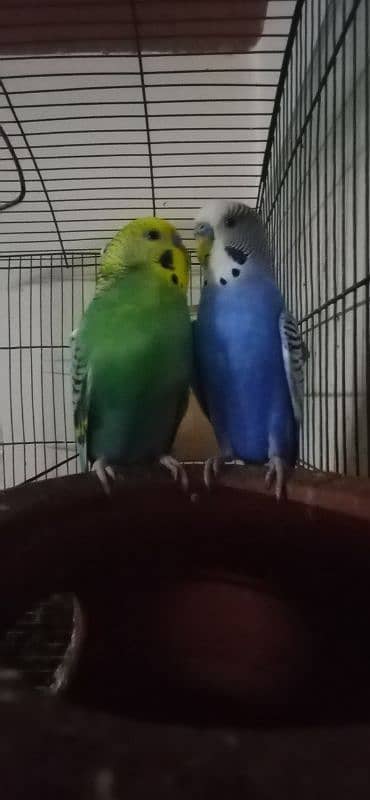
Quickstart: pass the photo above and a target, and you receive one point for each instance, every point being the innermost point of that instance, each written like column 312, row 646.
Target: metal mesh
column 99, row 138
column 89, row 139
column 36, row 645
column 43, row 302
column 314, row 195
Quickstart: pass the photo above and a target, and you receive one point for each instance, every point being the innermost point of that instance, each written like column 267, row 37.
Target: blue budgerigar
column 248, row 351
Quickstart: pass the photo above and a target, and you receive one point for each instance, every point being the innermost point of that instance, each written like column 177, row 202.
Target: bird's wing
column 196, row 380
column 294, row 354
column 80, row 395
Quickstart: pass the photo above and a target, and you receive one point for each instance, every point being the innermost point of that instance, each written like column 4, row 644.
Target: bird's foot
column 176, row 469
column 211, row 470
column 277, row 470
column 103, row 470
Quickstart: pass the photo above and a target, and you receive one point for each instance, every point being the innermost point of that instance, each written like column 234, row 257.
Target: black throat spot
column 166, row 259
column 236, row 254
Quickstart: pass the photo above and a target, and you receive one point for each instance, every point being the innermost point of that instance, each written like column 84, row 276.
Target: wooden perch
column 185, row 600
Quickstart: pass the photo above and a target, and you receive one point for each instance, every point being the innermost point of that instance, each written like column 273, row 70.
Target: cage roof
column 112, row 111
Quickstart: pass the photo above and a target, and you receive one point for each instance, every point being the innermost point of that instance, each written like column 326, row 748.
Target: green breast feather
column 131, row 364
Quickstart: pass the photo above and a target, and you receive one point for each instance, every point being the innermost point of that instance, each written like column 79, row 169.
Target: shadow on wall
column 195, row 440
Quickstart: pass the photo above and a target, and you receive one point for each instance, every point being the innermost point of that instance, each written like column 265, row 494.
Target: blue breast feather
column 240, row 370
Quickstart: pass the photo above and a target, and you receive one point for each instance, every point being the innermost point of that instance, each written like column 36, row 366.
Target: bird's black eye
column 230, row 222
column 153, row 235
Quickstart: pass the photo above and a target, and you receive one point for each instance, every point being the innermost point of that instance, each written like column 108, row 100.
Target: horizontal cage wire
column 103, row 137
column 140, row 108
column 36, row 645
column 314, row 197
column 101, row 124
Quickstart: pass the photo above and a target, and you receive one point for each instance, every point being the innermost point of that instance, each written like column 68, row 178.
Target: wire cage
column 153, row 108
column 314, row 197
column 162, row 108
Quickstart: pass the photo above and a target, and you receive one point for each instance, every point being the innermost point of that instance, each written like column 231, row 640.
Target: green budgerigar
column 131, row 355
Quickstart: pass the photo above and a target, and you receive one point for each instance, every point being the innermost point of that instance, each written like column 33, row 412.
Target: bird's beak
column 204, row 236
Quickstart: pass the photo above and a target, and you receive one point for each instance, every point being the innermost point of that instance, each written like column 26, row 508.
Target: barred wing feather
column 80, row 395
column 294, row 355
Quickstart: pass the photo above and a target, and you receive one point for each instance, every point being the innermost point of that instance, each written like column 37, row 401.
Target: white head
column 231, row 241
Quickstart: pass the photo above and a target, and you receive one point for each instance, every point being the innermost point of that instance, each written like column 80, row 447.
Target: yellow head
column 148, row 242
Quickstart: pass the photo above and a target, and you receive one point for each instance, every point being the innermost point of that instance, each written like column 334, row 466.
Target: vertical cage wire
column 36, row 645
column 314, row 198
column 44, row 302
column 100, row 138
column 127, row 127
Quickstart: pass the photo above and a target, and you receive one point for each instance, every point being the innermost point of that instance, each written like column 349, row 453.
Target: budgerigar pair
column 134, row 354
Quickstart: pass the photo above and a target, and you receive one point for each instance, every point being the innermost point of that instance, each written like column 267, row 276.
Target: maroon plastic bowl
column 233, row 601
